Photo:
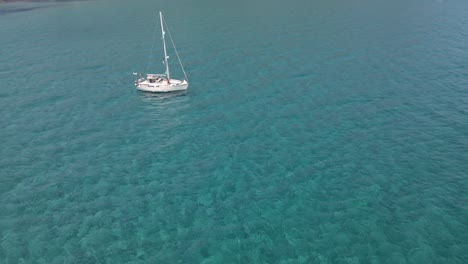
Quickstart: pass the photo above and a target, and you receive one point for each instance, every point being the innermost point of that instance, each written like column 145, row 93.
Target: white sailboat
column 162, row 83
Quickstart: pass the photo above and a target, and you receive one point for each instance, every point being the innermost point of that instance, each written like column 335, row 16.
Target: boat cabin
column 153, row 78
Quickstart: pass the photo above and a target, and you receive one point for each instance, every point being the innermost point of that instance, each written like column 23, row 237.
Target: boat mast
column 164, row 45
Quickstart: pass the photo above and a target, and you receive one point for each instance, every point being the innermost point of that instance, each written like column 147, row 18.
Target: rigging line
column 175, row 49
column 152, row 45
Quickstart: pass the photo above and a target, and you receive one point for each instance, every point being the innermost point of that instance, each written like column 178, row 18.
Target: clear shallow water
column 312, row 132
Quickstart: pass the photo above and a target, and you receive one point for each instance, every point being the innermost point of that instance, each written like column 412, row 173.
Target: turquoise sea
column 313, row 131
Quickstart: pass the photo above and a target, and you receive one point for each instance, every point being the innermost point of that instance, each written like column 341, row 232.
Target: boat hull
column 162, row 87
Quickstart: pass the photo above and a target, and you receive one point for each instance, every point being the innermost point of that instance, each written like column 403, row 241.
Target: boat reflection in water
column 165, row 102
column 150, row 96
